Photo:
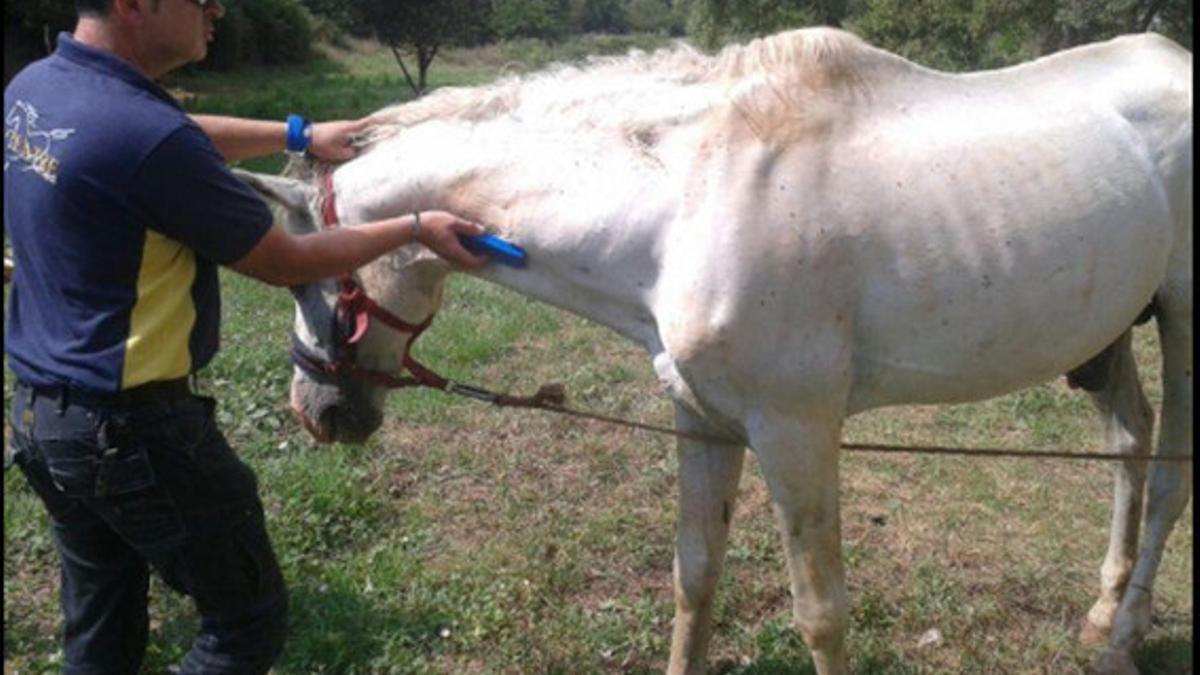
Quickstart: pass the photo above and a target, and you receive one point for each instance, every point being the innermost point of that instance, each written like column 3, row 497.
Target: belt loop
column 102, row 435
column 61, row 399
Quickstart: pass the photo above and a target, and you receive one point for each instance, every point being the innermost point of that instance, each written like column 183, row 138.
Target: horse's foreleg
column 799, row 460
column 708, row 481
column 1129, row 424
column 1170, row 483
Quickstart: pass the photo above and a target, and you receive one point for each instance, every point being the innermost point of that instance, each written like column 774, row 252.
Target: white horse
column 800, row 229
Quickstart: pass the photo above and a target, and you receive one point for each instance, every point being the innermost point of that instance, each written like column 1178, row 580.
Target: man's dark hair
column 92, row 7
column 101, row 7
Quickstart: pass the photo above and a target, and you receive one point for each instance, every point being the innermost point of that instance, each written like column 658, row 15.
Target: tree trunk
column 425, row 56
column 1151, row 12
column 418, row 89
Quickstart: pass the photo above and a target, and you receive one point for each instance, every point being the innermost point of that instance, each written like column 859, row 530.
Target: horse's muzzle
column 340, row 424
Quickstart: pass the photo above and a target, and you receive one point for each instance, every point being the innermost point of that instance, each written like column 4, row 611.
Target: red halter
column 353, row 303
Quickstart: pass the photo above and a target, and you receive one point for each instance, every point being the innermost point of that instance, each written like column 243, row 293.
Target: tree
column 337, row 11
column 252, row 31
column 30, row 29
column 712, row 22
column 280, row 30
column 973, row 34
column 943, row 34
column 1081, row 21
column 951, row 34
column 658, row 16
column 545, row 19
column 599, row 16
column 422, row 26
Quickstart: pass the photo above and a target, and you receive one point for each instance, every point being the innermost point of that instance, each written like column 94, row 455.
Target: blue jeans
column 134, row 486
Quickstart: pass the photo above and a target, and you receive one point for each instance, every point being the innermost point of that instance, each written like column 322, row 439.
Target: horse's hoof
column 1114, row 662
column 1093, row 635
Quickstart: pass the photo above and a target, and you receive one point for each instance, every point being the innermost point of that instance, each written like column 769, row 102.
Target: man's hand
column 331, row 140
column 239, row 139
column 439, row 231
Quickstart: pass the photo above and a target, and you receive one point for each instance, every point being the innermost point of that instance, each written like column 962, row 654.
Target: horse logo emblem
column 25, row 143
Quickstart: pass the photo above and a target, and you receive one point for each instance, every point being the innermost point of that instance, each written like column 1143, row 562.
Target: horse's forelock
column 309, row 170
column 301, row 167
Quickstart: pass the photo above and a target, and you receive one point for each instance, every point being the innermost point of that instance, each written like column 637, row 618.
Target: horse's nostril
column 345, row 424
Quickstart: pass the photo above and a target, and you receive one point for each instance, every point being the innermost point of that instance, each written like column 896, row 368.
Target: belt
column 159, row 390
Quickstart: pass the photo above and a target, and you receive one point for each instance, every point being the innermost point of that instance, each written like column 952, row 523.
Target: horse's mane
column 812, row 59
column 793, row 71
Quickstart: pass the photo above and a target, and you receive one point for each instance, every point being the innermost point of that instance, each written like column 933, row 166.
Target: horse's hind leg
column 1170, row 483
column 1129, row 423
column 708, row 481
column 799, row 458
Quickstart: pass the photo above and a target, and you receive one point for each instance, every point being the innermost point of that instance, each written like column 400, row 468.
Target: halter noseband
column 355, row 309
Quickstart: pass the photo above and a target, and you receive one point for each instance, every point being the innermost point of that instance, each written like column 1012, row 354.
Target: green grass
column 464, row 539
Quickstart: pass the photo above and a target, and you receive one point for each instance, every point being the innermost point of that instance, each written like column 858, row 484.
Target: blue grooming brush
column 490, row 245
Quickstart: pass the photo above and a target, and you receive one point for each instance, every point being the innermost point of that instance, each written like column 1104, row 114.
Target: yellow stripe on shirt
column 163, row 315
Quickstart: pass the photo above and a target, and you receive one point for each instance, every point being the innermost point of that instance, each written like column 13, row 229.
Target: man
column 118, row 207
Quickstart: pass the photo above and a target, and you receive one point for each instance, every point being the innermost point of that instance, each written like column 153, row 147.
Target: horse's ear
column 293, row 195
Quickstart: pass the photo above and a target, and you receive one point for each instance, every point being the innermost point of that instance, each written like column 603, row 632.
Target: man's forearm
column 237, row 139
column 328, row 253
column 287, row 260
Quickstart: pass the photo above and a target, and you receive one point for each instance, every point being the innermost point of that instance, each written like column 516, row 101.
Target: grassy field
column 462, row 539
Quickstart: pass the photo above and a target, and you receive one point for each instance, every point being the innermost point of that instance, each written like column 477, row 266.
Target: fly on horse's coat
column 800, row 229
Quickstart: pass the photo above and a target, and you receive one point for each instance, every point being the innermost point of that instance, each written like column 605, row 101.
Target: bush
column 261, row 32
column 599, row 16
column 252, row 32
column 713, row 23
column 281, row 31
column 546, row 19
column 328, row 31
column 230, row 47
column 657, row 16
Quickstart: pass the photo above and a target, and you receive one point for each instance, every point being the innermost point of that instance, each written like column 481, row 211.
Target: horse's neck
column 608, row 278
column 589, row 205
column 589, row 208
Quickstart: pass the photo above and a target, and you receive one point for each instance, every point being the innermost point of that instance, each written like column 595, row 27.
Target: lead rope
column 552, row 398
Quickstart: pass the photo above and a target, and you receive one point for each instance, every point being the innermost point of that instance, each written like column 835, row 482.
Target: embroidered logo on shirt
column 25, row 143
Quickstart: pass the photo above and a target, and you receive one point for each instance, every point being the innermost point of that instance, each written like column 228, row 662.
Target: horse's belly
column 1006, row 333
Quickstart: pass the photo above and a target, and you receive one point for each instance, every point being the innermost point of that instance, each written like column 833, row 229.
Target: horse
column 796, row 230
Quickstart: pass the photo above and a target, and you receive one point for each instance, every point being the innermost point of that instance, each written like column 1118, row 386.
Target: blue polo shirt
column 118, row 209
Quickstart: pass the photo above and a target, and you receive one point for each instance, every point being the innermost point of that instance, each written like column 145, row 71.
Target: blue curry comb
column 491, row 245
